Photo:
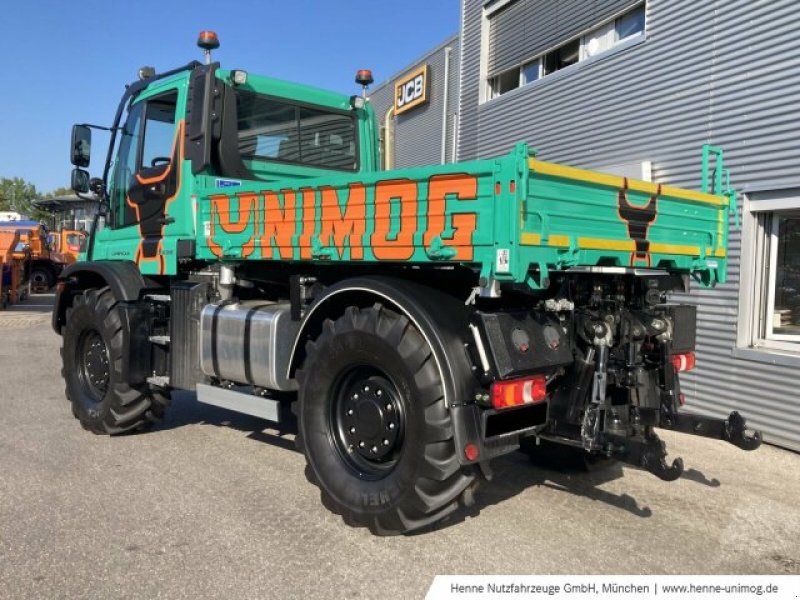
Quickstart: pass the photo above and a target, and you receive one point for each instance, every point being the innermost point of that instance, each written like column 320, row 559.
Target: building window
column 531, row 71
column 782, row 277
column 596, row 41
column 562, row 57
column 769, row 295
column 630, row 24
column 505, row 82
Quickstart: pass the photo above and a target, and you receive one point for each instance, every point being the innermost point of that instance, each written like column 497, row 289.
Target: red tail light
column 683, row 362
column 517, row 392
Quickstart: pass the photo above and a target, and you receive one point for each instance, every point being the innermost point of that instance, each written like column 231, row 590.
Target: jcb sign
column 411, row 90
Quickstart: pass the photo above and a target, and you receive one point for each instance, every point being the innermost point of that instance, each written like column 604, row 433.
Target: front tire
column 92, row 359
column 373, row 424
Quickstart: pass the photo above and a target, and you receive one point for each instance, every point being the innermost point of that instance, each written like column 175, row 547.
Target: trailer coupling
column 733, row 429
column 650, row 453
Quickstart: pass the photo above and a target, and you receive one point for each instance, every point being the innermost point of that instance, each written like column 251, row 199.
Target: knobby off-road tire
column 373, row 425
column 92, row 358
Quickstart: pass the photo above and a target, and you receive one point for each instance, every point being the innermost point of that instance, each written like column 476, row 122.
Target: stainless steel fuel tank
column 248, row 343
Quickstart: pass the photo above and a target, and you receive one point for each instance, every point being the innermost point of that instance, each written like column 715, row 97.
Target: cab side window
column 146, row 148
column 159, row 131
column 125, row 167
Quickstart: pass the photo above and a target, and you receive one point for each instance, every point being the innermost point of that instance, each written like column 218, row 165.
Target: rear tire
column 92, row 359
column 42, row 276
column 373, row 425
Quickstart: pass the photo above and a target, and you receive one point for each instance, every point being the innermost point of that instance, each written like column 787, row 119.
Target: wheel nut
column 374, row 449
column 391, row 425
column 379, row 392
column 350, row 412
column 361, row 444
column 352, row 430
column 355, row 396
column 366, row 388
column 385, row 442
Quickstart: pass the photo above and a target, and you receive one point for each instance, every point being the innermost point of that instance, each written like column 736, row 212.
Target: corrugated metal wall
column 721, row 72
column 418, row 133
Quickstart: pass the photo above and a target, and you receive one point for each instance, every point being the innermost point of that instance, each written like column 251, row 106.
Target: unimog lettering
column 386, row 218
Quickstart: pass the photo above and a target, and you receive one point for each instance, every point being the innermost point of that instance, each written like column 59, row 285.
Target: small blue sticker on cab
column 224, row 183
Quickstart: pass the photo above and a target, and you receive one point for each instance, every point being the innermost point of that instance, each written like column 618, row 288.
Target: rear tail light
column 517, row 392
column 683, row 362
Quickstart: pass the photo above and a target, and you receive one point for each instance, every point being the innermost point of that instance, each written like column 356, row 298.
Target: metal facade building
column 418, row 134
column 637, row 87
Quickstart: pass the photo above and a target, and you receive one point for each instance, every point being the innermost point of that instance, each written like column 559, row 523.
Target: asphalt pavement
column 215, row 504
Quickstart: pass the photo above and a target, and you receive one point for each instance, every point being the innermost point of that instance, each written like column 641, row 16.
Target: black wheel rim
column 93, row 366
column 367, row 422
column 39, row 278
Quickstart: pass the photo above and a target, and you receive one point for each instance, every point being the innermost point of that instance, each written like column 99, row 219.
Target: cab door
column 146, row 179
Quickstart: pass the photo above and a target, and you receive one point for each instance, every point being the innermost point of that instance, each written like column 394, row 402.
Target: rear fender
column 441, row 319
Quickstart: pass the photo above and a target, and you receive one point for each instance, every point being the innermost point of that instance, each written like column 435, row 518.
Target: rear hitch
column 733, row 429
column 653, row 459
column 649, row 453
column 736, row 433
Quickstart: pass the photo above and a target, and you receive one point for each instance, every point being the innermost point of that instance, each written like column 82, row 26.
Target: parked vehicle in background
column 66, row 245
column 15, row 267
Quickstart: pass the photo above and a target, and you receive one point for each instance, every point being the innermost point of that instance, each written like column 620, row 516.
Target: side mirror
column 80, row 181
column 81, row 150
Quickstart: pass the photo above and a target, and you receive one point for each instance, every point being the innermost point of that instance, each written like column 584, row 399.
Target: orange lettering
column 221, row 211
column 279, row 223
column 402, row 246
column 351, row 224
column 309, row 221
column 464, row 187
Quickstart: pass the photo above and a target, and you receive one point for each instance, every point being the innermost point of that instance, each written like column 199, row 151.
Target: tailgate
column 586, row 218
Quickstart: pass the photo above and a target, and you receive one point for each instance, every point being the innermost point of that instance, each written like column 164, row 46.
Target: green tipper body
column 512, row 219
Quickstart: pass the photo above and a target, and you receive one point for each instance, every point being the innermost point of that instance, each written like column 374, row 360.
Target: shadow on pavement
column 186, row 410
column 699, row 477
column 512, row 474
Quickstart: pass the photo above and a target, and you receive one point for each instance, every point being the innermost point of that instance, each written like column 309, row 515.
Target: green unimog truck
column 417, row 322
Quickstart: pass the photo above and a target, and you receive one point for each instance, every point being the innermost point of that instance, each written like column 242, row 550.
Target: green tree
column 17, row 194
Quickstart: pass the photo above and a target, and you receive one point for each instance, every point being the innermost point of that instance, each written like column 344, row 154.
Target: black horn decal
column 638, row 220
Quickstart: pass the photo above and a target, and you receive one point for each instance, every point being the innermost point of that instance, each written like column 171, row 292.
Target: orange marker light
column 208, row 40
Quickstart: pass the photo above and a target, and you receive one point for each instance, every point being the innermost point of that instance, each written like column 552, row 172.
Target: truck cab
column 263, row 129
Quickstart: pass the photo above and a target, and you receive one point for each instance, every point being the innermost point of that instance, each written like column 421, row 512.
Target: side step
column 248, row 404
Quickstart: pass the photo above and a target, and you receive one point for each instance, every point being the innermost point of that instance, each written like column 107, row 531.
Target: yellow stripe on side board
column 615, row 181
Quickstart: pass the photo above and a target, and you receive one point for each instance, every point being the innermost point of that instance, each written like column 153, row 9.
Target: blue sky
column 67, row 62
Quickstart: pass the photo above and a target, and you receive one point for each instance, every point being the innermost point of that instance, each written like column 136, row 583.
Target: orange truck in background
column 66, row 245
column 50, row 252
column 15, row 266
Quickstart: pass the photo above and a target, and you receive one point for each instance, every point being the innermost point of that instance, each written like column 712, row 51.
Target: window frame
column 298, row 104
column 143, row 135
column 754, row 340
column 619, row 44
column 768, row 310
